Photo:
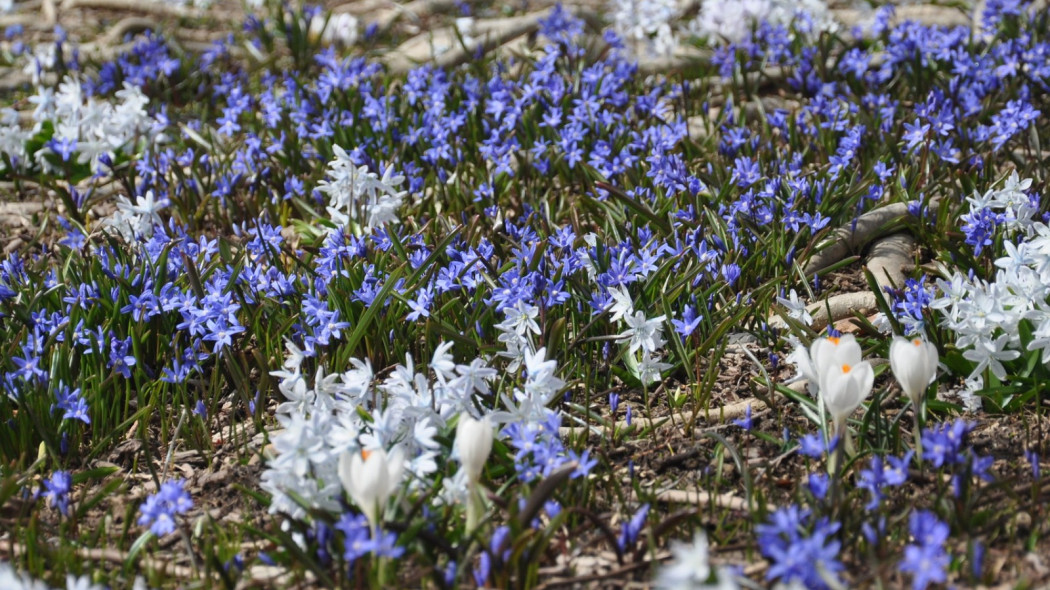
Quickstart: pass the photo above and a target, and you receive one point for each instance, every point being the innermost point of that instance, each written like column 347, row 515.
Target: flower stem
column 917, row 432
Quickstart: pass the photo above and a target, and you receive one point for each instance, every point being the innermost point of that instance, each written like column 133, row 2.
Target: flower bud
column 474, row 444
column 914, row 364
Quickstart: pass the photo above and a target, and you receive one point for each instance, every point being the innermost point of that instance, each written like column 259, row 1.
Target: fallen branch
column 721, row 414
column 925, row 14
column 125, row 26
column 162, row 9
column 840, row 307
column 702, row 498
column 888, row 259
column 14, row 550
column 847, row 240
column 444, row 47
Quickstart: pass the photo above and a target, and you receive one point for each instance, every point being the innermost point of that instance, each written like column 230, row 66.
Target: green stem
column 836, row 461
column 475, row 508
column 917, row 431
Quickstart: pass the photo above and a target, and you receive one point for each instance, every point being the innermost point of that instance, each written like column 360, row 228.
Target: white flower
column 690, row 569
column 370, row 478
column 650, row 369
column 832, row 351
column 845, row 387
column 799, row 356
column 521, row 317
column 340, row 29
column 473, row 444
column 796, row 308
column 732, row 20
column 622, row 304
column 10, row 578
column 646, row 24
column 988, row 353
column 358, row 195
column 442, row 363
column 643, row 333
column 81, row 583
column 914, row 364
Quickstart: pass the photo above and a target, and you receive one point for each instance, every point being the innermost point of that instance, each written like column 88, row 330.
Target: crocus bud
column 843, row 387
column 914, row 364
column 370, row 477
column 474, row 444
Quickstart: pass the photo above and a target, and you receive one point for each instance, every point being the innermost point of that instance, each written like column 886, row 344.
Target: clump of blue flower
column 160, row 509
column 539, row 450
column 926, row 559
column 800, row 548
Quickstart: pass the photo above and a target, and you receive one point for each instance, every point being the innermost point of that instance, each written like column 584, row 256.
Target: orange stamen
column 834, row 340
column 917, row 342
column 365, row 453
column 846, row 368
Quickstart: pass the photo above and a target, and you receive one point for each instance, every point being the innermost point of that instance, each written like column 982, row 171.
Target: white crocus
column 473, row 444
column 833, row 351
column 843, row 387
column 914, row 364
column 370, row 478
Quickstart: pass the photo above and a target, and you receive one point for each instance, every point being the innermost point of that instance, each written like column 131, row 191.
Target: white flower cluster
column 11, row 579
column 642, row 334
column 985, row 315
column 360, row 196
column 516, row 330
column 733, row 20
column 135, row 220
column 337, row 29
column 86, row 127
column 646, row 24
column 322, row 420
column 41, row 60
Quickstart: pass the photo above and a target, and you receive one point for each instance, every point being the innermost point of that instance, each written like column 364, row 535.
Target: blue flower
column 813, row 445
column 357, row 536
column 818, row 485
column 120, row 359
column 160, row 509
column 745, row 422
column 796, row 556
column 1033, row 460
column 943, row 445
column 56, row 490
column 72, row 405
column 629, row 530
column 927, row 564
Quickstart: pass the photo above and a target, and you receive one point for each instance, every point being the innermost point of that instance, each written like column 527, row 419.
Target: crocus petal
column 845, row 387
